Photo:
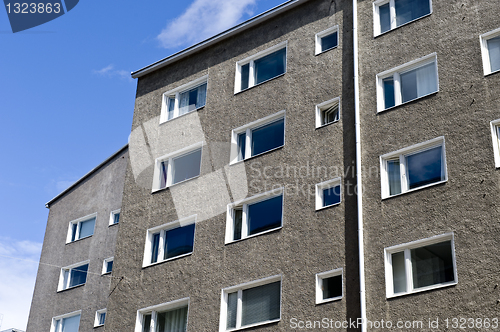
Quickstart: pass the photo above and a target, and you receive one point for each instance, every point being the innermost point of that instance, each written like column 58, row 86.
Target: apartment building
column 322, row 164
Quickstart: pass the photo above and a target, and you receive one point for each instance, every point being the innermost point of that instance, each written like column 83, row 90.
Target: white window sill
column 407, row 102
column 175, row 184
column 330, row 300
column 257, row 234
column 415, row 189
column 402, row 25
column 327, row 124
column 491, row 73
column 83, row 238
column 253, row 86
column 423, row 289
column 182, row 115
column 260, row 154
column 253, row 325
column 73, row 287
column 167, row 260
column 106, row 273
column 328, row 206
column 331, row 48
column 113, row 224
column 96, row 326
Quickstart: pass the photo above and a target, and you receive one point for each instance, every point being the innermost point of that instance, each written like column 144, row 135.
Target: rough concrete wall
column 467, row 203
column 101, row 192
column 310, row 241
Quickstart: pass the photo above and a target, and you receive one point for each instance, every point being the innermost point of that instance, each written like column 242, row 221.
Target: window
column 420, row 265
column 495, row 134
column 327, row 39
column 408, row 82
column 170, row 241
column 177, row 167
column 100, row 317
column 66, row 323
column 251, row 304
column 328, row 193
column 114, row 217
column 327, row 112
column 107, row 265
column 490, row 50
column 261, row 67
column 166, row 317
column 73, row 275
column 414, row 167
column 81, row 228
column 255, row 215
column 184, row 99
column 390, row 14
column 258, row 137
column 329, row 286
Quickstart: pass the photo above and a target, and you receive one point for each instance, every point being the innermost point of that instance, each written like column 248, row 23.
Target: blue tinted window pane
column 418, row 82
column 332, row 287
column 155, row 244
column 424, row 167
column 399, row 272
column 78, row 275
column 329, row 41
column 260, row 304
column 232, row 306
column 385, row 17
column 265, row 215
column 73, row 231
column 432, row 264
column 331, row 196
column 116, row 218
column 268, row 137
column 245, row 74
column 87, row 228
column 238, row 218
column 270, row 66
column 389, row 99
column 171, row 106
column 102, row 318
column 187, row 166
column 241, row 146
column 109, row 266
column 394, row 175
column 192, row 99
column 71, row 324
column 494, row 53
column 179, row 241
column 409, row 10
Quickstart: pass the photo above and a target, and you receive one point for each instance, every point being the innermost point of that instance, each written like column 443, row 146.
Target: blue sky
column 66, row 104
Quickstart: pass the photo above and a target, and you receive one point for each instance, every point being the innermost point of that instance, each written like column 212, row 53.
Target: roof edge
column 80, row 180
column 217, row 38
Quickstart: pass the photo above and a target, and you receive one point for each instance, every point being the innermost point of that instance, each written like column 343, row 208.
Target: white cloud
column 203, row 19
column 18, row 268
column 110, row 71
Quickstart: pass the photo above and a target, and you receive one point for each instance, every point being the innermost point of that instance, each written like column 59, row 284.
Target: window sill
column 333, row 299
column 407, row 102
column 257, row 155
column 331, row 48
column 69, row 288
column 415, row 189
column 328, row 206
column 167, row 260
column 491, row 73
column 327, row 124
column 257, row 234
column 83, row 238
column 182, row 115
column 113, row 224
column 402, row 25
column 106, row 273
column 175, row 184
column 253, row 86
column 423, row 289
column 97, row 326
column 252, row 325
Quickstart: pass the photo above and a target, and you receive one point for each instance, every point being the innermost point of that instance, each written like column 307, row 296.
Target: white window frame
column 495, row 135
column 105, row 262
column 244, row 205
column 325, row 185
column 112, row 217
column 61, row 317
column 406, row 247
column 175, row 93
column 322, row 34
column 325, row 105
column 161, row 247
column 98, row 314
column 79, row 222
column 153, row 310
column 61, row 286
column 395, row 73
column 483, row 39
column 239, row 289
column 247, row 129
column 170, row 157
column 438, row 141
column 392, row 5
column 319, row 285
column 251, row 60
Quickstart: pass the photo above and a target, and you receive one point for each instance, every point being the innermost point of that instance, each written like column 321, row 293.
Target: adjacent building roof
column 217, row 38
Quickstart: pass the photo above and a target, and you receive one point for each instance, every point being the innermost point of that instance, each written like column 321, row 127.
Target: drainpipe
column 359, row 182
